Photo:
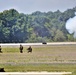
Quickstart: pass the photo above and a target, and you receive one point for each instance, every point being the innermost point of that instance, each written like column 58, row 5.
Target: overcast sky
column 29, row 6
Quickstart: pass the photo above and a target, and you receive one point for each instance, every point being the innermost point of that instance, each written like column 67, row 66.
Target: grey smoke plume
column 71, row 26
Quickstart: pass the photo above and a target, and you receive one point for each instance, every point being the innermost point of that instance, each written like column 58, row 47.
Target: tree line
column 38, row 26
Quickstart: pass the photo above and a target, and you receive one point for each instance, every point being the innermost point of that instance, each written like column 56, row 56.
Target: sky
column 30, row 6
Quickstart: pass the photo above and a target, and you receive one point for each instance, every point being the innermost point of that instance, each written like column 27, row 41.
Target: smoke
column 71, row 26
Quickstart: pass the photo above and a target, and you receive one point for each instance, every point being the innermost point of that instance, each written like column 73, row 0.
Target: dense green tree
column 59, row 36
column 36, row 27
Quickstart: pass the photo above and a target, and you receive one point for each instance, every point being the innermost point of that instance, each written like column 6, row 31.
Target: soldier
column 0, row 49
column 2, row 70
column 21, row 49
column 29, row 49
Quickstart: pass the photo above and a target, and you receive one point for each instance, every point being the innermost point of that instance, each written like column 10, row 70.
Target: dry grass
column 42, row 58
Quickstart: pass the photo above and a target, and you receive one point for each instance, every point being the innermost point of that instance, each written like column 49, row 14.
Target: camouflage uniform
column 29, row 49
column 21, row 49
column 0, row 49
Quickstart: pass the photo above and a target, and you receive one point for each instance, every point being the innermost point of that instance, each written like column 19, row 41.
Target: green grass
column 43, row 58
column 39, row 67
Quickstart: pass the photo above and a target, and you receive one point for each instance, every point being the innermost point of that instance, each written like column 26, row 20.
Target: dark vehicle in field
column 44, row 43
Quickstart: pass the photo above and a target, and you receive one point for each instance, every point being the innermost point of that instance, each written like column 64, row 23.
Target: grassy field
column 43, row 58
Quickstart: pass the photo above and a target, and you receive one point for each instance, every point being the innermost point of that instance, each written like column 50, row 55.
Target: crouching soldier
column 29, row 49
column 21, row 49
column 0, row 49
column 2, row 70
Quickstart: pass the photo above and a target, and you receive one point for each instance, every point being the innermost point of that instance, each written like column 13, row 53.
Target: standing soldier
column 0, row 49
column 21, row 49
